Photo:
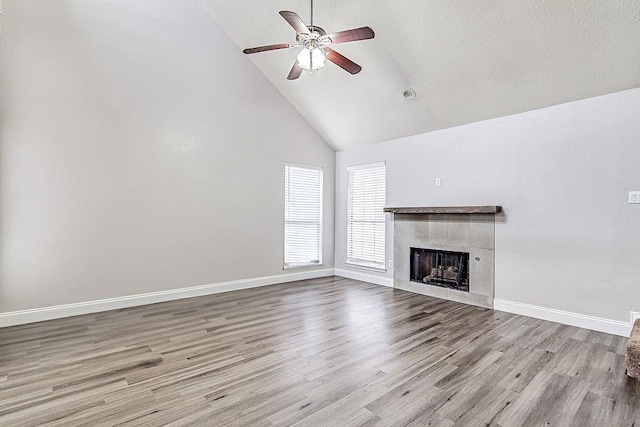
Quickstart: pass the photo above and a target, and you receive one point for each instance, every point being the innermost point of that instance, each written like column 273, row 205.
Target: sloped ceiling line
column 468, row 60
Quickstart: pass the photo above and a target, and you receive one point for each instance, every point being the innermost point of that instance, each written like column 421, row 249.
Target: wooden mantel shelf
column 446, row 210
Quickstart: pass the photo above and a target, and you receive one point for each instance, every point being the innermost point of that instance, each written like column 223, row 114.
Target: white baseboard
column 364, row 277
column 67, row 310
column 599, row 324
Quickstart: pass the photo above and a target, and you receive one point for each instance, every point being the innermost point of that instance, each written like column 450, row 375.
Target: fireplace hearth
column 447, row 269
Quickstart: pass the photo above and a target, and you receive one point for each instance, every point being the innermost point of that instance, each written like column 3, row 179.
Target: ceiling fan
column 315, row 42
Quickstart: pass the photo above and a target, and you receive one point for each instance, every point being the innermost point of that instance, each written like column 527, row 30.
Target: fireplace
column 449, row 230
column 447, row 269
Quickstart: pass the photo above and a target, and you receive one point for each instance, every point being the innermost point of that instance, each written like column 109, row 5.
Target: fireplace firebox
column 446, row 269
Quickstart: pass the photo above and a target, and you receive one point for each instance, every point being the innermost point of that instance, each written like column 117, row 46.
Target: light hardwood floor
column 322, row 352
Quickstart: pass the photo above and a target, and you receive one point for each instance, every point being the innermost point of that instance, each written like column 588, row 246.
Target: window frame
column 289, row 266
column 351, row 261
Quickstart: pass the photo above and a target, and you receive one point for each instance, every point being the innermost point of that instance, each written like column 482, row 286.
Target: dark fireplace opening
column 447, row 269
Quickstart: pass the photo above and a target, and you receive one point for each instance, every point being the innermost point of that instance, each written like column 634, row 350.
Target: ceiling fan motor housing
column 313, row 39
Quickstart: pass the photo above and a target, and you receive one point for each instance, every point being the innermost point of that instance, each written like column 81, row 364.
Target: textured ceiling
column 468, row 60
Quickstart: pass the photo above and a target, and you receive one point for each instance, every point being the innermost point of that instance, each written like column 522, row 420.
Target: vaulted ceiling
column 467, row 60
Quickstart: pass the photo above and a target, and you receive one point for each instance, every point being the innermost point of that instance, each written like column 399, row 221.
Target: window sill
column 365, row 267
column 293, row 267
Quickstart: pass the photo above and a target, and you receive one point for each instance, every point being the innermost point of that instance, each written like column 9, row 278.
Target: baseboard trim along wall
column 565, row 317
column 365, row 277
column 56, row 312
column 59, row 311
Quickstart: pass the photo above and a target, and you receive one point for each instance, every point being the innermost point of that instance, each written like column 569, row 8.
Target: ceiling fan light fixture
column 311, row 59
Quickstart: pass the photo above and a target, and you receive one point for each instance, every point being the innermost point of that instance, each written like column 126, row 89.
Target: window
column 302, row 216
column 365, row 215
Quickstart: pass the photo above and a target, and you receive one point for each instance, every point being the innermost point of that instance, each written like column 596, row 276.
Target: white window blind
column 302, row 216
column 365, row 215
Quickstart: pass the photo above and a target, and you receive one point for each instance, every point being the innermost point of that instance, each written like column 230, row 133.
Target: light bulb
column 311, row 59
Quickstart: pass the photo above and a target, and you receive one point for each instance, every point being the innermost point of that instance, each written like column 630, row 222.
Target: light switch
column 437, row 182
column 634, row 197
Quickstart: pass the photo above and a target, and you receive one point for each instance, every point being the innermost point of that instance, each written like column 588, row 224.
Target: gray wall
column 568, row 239
column 140, row 151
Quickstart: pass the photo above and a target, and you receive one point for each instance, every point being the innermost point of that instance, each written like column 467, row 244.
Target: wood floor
column 322, row 352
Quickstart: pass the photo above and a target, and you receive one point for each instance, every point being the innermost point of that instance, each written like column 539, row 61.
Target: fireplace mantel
column 446, row 210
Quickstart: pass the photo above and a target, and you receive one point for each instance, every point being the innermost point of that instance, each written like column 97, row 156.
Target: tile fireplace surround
column 461, row 229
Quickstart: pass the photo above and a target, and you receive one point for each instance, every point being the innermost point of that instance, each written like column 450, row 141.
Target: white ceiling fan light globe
column 306, row 58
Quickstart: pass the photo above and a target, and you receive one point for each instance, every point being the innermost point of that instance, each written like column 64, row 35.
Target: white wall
column 568, row 240
column 141, row 151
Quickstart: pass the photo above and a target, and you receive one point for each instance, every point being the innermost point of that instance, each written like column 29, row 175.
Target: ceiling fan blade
column 356, row 34
column 294, row 20
column 342, row 61
column 266, row 48
column 295, row 72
